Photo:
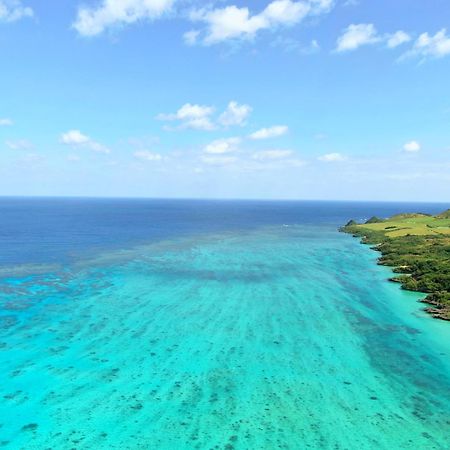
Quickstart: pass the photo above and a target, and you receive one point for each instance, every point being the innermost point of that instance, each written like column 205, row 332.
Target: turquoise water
column 282, row 337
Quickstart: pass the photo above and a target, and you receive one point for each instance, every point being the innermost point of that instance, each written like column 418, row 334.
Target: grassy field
column 418, row 225
column 417, row 246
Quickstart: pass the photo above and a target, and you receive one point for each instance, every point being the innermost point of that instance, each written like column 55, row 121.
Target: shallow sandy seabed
column 285, row 337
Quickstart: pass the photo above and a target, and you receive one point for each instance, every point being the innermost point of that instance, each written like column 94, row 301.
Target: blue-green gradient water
column 129, row 324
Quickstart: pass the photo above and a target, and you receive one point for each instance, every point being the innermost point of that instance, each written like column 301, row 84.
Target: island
column 417, row 247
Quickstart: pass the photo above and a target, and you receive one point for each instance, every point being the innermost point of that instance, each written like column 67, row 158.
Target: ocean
column 198, row 324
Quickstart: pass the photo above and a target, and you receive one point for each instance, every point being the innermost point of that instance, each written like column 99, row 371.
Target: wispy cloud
column 200, row 117
column 355, row 36
column 288, row 44
column 397, row 39
column 235, row 114
column 219, row 160
column 238, row 23
column 221, row 146
column 412, row 147
column 6, row 122
column 332, row 157
column 110, row 14
column 429, row 46
column 265, row 155
column 146, row 155
column 13, row 10
column 20, row 144
column 75, row 138
column 364, row 34
column 191, row 116
column 271, row 132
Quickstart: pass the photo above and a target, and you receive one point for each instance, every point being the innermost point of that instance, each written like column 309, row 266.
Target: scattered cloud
column 21, row 144
column 355, row 36
column 221, row 146
column 358, row 35
column 272, row 154
column 428, row 46
column 237, row 23
column 75, row 138
column 398, row 38
column 145, row 155
column 191, row 116
column 13, row 10
column 332, row 157
column 277, row 159
column 235, row 114
column 218, row 160
column 351, row 3
column 310, row 49
column 73, row 158
column 6, row 122
column 288, row 44
column 190, row 37
column 200, row 117
column 267, row 133
column 32, row 158
column 92, row 21
column 412, row 147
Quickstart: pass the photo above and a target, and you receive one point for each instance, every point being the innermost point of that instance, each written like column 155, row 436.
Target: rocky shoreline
column 421, row 262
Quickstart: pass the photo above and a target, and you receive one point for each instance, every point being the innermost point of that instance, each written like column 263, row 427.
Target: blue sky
column 307, row 99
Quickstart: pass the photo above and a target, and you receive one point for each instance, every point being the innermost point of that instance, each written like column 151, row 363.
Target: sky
column 282, row 99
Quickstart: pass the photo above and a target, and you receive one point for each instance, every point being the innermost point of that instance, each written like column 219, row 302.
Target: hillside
column 417, row 246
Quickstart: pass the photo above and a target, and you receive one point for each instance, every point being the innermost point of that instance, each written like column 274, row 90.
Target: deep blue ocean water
column 38, row 230
column 178, row 324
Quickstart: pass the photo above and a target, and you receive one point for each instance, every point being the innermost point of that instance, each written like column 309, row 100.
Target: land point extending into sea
column 417, row 247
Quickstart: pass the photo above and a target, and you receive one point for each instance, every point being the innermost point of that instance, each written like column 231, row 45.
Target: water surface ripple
column 278, row 337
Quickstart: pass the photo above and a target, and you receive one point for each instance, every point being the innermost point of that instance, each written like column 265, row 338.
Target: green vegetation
column 374, row 219
column 417, row 246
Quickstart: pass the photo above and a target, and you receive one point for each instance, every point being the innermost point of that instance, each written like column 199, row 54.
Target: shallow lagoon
column 269, row 337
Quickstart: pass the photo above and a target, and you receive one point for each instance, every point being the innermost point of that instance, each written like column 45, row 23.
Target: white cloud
column 428, row 46
column 191, row 116
column 6, row 122
column 191, row 37
column 272, row 154
column 266, row 133
column 200, row 117
column 288, row 44
column 218, row 160
column 116, row 13
column 235, row 114
column 313, row 47
column 73, row 158
column 21, row 144
column 355, row 36
column 13, row 10
column 233, row 22
column 74, row 137
column 398, row 38
column 332, row 157
column 146, row 155
column 221, row 146
column 412, row 147
column 77, row 139
column 31, row 158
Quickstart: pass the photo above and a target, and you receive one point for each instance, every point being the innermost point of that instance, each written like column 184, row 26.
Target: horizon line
column 236, row 199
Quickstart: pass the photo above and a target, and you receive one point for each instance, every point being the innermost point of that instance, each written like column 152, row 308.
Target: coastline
column 416, row 250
